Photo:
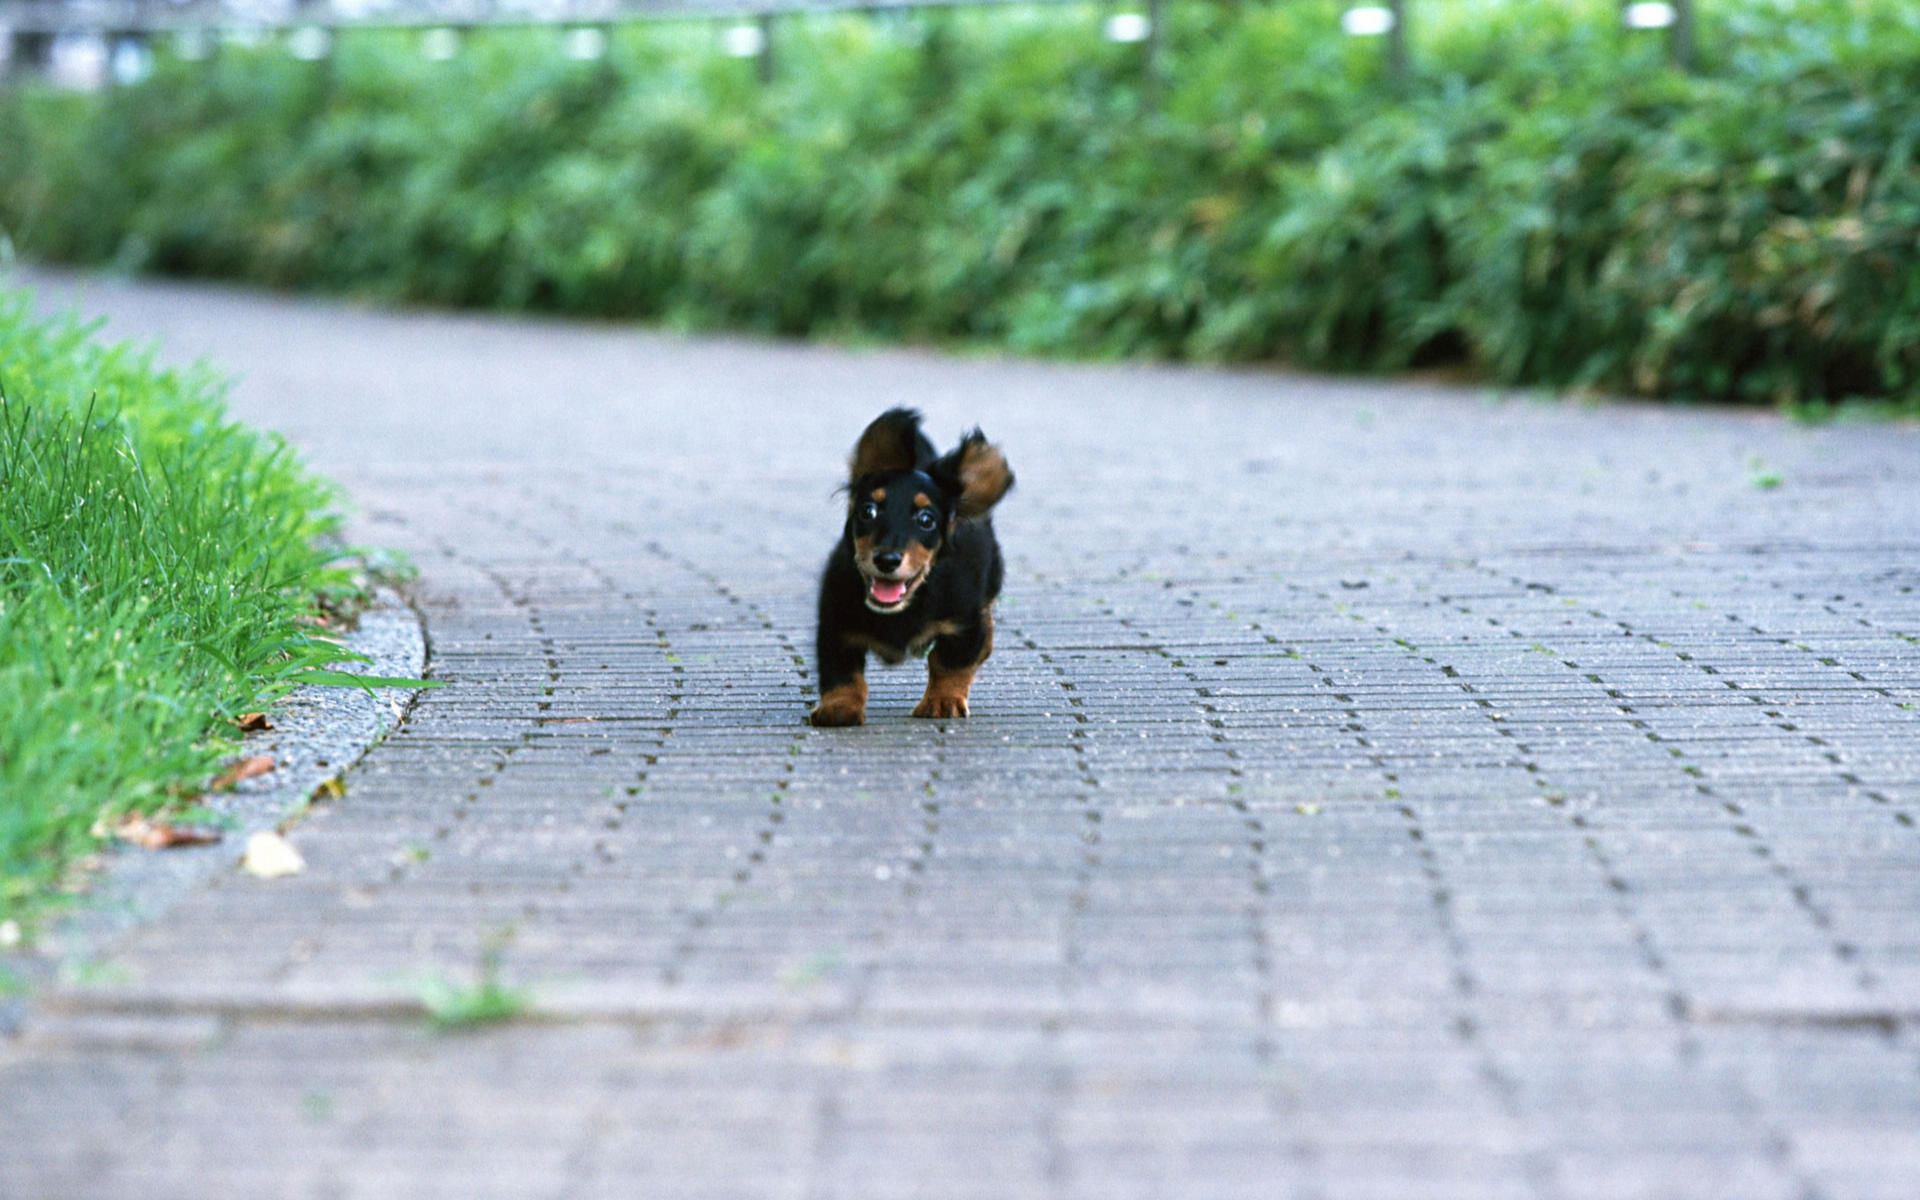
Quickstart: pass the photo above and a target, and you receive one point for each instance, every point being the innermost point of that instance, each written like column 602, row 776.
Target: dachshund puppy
column 917, row 567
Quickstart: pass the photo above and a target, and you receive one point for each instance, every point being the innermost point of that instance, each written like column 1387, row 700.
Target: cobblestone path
column 1377, row 790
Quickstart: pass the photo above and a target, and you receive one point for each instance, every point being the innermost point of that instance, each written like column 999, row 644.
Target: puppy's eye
column 925, row 519
column 869, row 511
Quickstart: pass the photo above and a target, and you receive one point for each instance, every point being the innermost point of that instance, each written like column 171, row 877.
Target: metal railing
column 32, row 31
column 105, row 40
column 58, row 17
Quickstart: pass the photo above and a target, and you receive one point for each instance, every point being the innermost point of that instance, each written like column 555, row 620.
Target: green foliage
column 1546, row 200
column 451, row 1005
column 156, row 563
column 1674, row 237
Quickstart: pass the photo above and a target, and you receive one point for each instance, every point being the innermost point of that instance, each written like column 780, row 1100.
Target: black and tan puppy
column 917, row 567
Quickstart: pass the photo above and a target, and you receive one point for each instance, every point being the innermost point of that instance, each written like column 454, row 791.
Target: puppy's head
column 904, row 502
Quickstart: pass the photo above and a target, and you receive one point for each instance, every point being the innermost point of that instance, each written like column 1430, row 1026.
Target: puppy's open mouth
column 891, row 595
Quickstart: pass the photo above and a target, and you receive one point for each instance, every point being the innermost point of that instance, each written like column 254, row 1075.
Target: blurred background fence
column 88, row 43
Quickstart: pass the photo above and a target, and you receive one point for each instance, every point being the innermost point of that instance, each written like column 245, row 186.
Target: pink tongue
column 889, row 591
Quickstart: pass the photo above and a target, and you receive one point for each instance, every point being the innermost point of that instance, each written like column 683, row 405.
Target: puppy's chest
column 917, row 639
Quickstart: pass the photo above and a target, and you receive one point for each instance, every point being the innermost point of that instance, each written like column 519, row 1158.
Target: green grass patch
column 453, row 1005
column 159, row 568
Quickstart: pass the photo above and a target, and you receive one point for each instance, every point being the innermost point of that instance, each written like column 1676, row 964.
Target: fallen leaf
column 269, row 856
column 253, row 722
column 246, row 768
column 154, row 833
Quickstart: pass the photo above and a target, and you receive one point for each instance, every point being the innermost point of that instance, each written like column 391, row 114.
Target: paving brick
column 1375, row 791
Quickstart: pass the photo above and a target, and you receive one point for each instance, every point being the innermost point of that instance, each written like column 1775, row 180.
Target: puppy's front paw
column 940, row 706
column 841, row 706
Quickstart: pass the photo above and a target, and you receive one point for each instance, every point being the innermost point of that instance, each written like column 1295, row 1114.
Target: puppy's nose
column 886, row 560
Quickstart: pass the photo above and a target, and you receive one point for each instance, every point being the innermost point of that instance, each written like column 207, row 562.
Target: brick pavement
column 1377, row 790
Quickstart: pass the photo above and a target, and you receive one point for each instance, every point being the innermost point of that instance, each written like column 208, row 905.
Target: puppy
column 917, row 567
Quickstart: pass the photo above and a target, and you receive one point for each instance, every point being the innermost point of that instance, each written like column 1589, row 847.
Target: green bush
column 1673, row 236
column 1354, row 270
column 1545, row 199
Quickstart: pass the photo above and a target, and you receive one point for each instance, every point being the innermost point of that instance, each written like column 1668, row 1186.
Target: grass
column 160, row 568
column 451, row 1005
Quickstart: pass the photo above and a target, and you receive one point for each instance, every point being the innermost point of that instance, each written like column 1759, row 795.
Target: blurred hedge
column 1546, row 201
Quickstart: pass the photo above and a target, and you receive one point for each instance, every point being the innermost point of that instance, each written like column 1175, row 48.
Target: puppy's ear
column 892, row 443
column 976, row 473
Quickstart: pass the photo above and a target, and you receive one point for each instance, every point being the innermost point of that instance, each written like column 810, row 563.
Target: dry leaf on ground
column 246, row 768
column 154, row 833
column 269, row 856
column 253, row 722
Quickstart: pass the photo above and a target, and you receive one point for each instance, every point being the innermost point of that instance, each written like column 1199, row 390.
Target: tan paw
column 843, row 705
column 835, row 710
column 940, row 706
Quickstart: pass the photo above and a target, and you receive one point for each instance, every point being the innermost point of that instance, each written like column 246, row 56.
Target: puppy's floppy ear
column 976, row 473
column 892, row 443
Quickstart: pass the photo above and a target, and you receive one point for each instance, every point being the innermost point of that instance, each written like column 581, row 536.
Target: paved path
column 1377, row 790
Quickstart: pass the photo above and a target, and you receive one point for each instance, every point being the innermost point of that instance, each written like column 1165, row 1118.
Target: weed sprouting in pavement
column 452, row 1005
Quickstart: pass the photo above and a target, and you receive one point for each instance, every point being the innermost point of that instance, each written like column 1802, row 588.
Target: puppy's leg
column 950, row 668
column 843, row 681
